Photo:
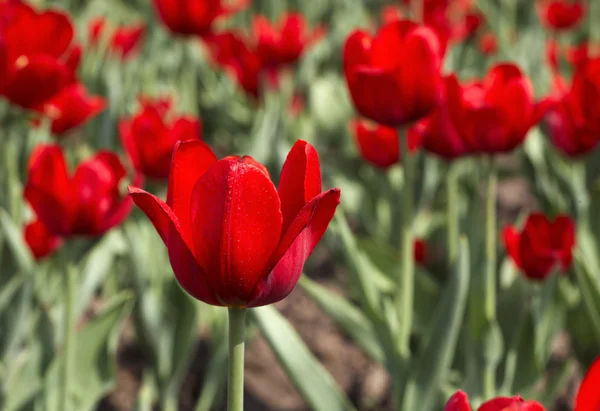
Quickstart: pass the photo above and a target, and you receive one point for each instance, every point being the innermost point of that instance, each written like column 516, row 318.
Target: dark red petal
column 512, row 242
column 300, row 180
column 588, row 395
column 458, row 402
column 357, row 52
column 563, row 239
column 72, row 107
column 236, row 226
column 296, row 245
column 190, row 160
column 49, row 189
column 377, row 96
column 188, row 272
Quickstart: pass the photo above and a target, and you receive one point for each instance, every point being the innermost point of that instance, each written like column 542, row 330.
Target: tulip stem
column 68, row 338
column 235, row 377
column 489, row 375
column 453, row 217
column 406, row 281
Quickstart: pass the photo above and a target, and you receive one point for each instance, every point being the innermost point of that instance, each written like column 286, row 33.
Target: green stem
column 235, row 377
column 452, row 213
column 406, row 281
column 489, row 376
column 69, row 347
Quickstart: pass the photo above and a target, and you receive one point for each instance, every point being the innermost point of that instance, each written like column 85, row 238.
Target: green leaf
column 216, row 371
column 17, row 244
column 350, row 319
column 549, row 315
column 94, row 363
column 313, row 382
column 433, row 364
column 590, row 293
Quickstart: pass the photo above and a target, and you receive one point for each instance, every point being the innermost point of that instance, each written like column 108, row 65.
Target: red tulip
column 572, row 119
column 71, row 108
column 488, row 44
column 560, row 14
column 41, row 242
column 379, row 144
column 283, row 44
column 233, row 239
column 394, row 78
column 494, row 115
column 242, row 62
column 126, row 40
column 420, row 251
column 542, row 245
column 95, row 30
column 588, row 395
column 37, row 59
column 87, row 203
column 149, row 137
column 442, row 131
column 460, row 402
column 194, row 17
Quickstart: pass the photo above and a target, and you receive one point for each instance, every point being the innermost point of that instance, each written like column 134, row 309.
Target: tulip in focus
column 71, row 108
column 379, row 145
column 87, row 202
column 394, row 78
column 542, row 245
column 41, row 242
column 38, row 58
column 560, row 14
column 233, row 238
column 283, row 44
column 150, row 136
column 460, row 402
column 195, row 17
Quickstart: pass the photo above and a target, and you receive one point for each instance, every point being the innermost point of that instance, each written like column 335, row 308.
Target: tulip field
column 287, row 205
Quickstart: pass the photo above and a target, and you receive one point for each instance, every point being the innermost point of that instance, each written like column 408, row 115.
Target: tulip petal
column 512, row 240
column 300, row 180
column 296, row 245
column 190, row 160
column 188, row 272
column 41, row 241
column 563, row 239
column 236, row 220
column 588, row 396
column 48, row 188
column 458, row 402
column 378, row 145
column 501, row 403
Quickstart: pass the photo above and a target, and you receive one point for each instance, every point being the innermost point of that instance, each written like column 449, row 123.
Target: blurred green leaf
column 16, row 243
column 350, row 319
column 313, row 382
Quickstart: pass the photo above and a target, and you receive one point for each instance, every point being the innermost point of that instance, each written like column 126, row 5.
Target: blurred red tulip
column 126, row 40
column 442, row 130
column 71, row 108
column 242, row 62
column 37, row 57
column 494, row 115
column 394, row 78
column 87, row 203
column 460, row 402
column 283, row 44
column 542, row 245
column 588, row 395
column 379, row 144
column 420, row 248
column 560, row 14
column 488, row 44
column 41, row 242
column 96, row 30
column 572, row 118
column 194, row 17
column 149, row 137
column 233, row 238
